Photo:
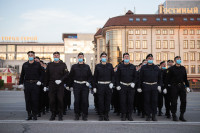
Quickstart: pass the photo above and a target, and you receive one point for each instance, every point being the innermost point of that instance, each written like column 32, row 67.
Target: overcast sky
column 48, row 19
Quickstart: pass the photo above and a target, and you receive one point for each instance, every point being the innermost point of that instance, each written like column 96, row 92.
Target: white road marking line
column 99, row 122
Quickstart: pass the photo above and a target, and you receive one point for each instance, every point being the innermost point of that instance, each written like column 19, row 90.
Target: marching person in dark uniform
column 56, row 75
column 150, row 81
column 31, row 78
column 126, row 78
column 103, row 84
column 167, row 92
column 177, row 77
column 80, row 79
column 164, row 90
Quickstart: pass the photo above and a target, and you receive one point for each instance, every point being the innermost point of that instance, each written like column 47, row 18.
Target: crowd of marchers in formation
column 125, row 88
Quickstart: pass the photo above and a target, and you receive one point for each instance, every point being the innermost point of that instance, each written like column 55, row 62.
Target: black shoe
column 181, row 118
column 159, row 113
column 29, row 117
column 39, row 115
column 34, row 117
column 101, row 118
column 130, row 118
column 106, row 117
column 76, row 117
column 60, row 117
column 123, row 117
column 174, row 117
column 52, row 117
column 148, row 118
column 154, row 118
column 84, row 117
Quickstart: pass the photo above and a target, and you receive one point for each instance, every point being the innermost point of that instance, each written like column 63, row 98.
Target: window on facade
column 2, row 48
column 198, row 69
column 198, row 19
column 3, row 56
column 171, row 44
column 198, row 56
column 164, row 19
column 137, row 57
column 144, row 19
column 131, row 56
column 144, row 55
column 192, row 44
column 198, row 43
column 193, row 69
column 171, row 19
column 171, row 32
column 165, row 56
column 131, row 19
column 185, row 56
column 187, row 68
column 184, row 19
column 164, row 32
column 192, row 56
column 157, row 19
column 158, row 56
column 185, row 44
column 158, row 44
column 191, row 32
column 130, row 44
column 144, row 32
column 157, row 32
column 172, row 55
column 130, row 32
column 191, row 19
column 137, row 32
column 144, row 44
column 165, row 45
column 185, row 32
column 137, row 44
column 11, row 48
column 198, row 32
column 10, row 56
column 137, row 19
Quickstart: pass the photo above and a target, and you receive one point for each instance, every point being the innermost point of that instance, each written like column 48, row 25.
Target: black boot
column 154, row 117
column 84, row 117
column 29, row 116
column 34, row 117
column 167, row 114
column 52, row 117
column 60, row 117
column 39, row 114
column 181, row 118
column 174, row 117
column 130, row 118
column 106, row 117
column 76, row 117
column 148, row 118
column 123, row 117
column 101, row 118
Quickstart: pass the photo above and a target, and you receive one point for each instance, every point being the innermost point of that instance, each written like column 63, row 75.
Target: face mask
column 126, row 60
column 30, row 58
column 80, row 60
column 150, row 61
column 103, row 59
column 163, row 67
column 56, row 59
column 178, row 62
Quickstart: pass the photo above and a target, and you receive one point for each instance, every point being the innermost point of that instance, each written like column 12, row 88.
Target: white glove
column 38, row 83
column 45, row 89
column 132, row 85
column 165, row 91
column 95, row 90
column 87, row 84
column 71, row 88
column 139, row 90
column 111, row 85
column 188, row 89
column 118, row 88
column 159, row 89
column 21, row 86
column 58, row 82
column 67, row 88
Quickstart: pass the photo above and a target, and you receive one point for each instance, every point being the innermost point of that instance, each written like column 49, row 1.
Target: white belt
column 150, row 83
column 127, row 84
column 104, row 82
column 80, row 82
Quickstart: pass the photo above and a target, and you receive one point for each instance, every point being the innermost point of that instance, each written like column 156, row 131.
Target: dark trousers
column 81, row 92
column 31, row 92
column 139, row 103
column 167, row 100
column 116, row 100
column 126, row 99
column 178, row 90
column 46, row 100
column 160, row 100
column 41, row 99
column 150, row 98
column 104, row 98
column 56, row 94
column 67, row 99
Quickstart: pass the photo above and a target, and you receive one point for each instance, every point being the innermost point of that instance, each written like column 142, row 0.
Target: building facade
column 76, row 43
column 165, row 36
